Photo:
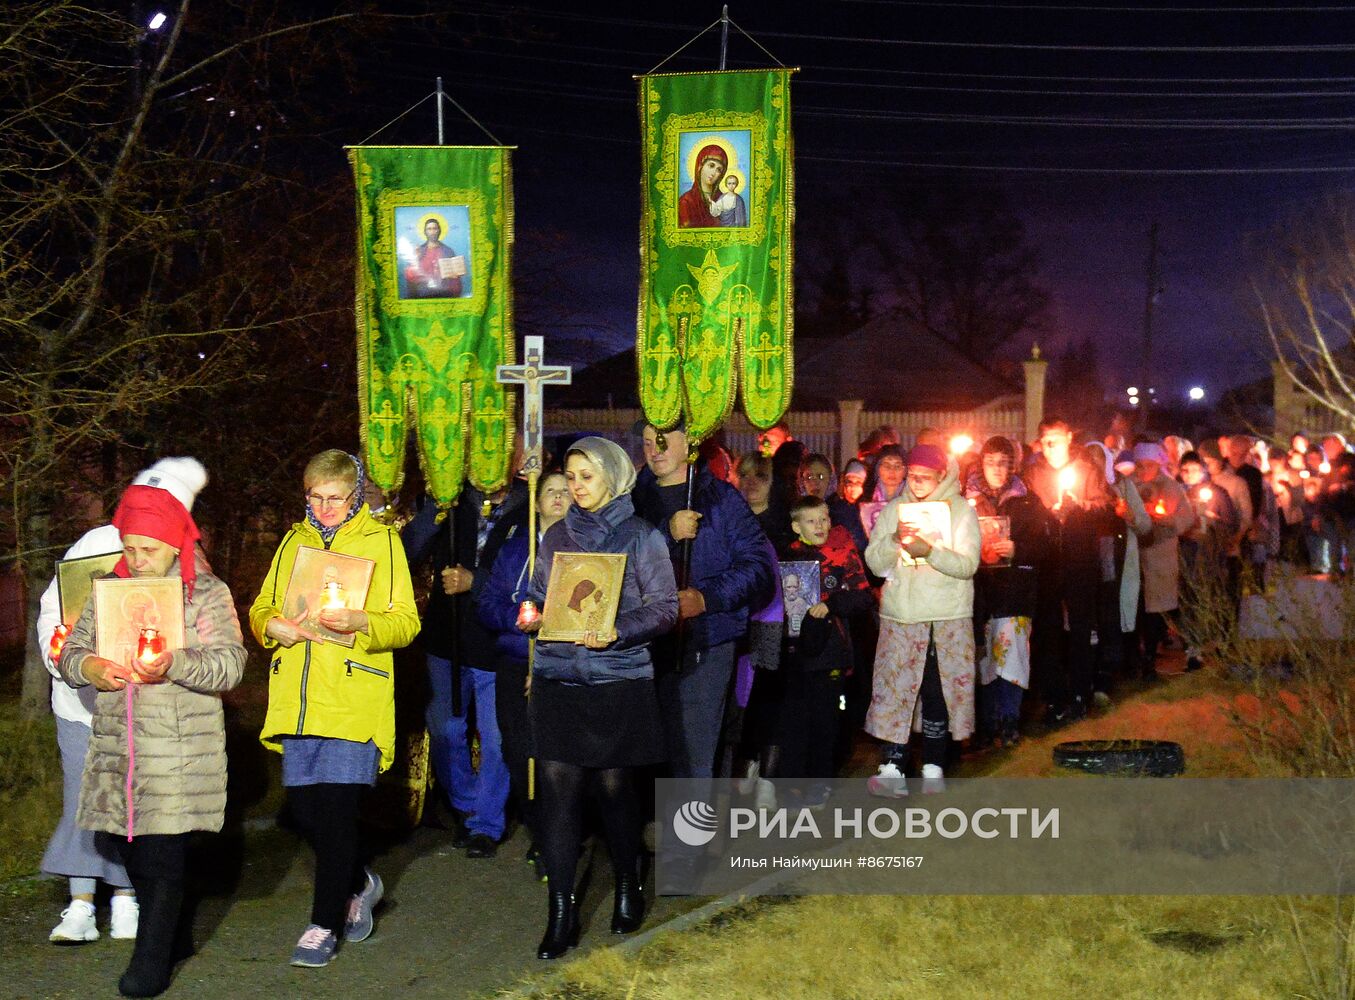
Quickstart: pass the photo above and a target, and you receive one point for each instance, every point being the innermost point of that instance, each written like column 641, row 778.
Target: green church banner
column 434, row 312
column 716, row 310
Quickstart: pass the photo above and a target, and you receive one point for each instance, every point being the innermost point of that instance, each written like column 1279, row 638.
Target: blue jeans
column 693, row 703
column 483, row 793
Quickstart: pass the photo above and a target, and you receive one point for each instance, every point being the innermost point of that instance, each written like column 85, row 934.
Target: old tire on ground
column 1152, row 758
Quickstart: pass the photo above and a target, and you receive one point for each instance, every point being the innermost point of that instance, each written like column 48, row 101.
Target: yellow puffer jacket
column 325, row 688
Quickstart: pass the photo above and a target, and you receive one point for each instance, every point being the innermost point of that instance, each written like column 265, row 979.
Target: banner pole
column 532, row 478
column 439, row 103
column 724, row 34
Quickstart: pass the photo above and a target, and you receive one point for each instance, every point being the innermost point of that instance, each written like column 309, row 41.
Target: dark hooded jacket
column 730, row 565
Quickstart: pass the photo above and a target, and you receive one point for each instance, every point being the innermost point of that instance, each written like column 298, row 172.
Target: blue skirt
column 73, row 852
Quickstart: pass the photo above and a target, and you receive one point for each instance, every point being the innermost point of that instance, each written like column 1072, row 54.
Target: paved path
column 450, row 927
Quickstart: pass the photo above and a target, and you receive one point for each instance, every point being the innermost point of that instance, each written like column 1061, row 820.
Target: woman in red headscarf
column 694, row 207
column 149, row 783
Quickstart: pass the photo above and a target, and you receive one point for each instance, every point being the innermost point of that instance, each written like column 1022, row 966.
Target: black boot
column 628, row 909
column 562, row 925
column 152, row 962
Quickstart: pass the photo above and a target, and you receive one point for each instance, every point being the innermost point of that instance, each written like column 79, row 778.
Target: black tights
column 935, row 717
column 560, row 815
column 327, row 816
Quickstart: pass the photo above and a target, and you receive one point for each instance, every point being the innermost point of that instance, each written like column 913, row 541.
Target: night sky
column 1065, row 106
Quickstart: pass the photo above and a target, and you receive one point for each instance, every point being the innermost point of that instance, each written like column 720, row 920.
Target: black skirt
column 597, row 725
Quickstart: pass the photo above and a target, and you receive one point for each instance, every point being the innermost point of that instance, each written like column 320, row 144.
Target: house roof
column 888, row 364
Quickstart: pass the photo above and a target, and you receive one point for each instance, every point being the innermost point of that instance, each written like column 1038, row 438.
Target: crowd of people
column 771, row 607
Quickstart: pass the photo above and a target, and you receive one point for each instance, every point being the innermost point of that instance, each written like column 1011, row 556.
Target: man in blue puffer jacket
column 731, row 572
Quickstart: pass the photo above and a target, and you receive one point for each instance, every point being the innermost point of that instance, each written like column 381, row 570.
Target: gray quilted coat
column 179, row 733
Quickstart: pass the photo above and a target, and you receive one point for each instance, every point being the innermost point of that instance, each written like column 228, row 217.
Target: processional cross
column 533, row 376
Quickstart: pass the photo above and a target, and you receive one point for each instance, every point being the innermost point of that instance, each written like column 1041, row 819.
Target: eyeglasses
column 817, row 476
column 329, row 503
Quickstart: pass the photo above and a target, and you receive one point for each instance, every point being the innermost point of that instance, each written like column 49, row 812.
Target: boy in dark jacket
column 815, row 663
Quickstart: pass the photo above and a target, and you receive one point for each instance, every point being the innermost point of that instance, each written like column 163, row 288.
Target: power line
column 1083, row 8
column 933, row 43
column 641, row 55
column 1235, row 124
column 1202, row 94
column 1050, row 47
column 1085, row 79
column 1104, row 171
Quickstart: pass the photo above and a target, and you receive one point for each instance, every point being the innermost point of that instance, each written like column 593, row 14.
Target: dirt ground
column 449, row 927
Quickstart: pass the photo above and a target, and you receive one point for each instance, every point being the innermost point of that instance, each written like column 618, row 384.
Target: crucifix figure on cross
column 533, row 376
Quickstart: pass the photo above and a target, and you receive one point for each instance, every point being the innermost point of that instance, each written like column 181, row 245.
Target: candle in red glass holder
column 58, row 640
column 149, row 645
column 1160, row 508
column 528, row 614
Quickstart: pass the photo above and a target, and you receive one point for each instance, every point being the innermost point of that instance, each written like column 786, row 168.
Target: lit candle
column 1067, row 480
column 149, row 645
column 1324, row 468
column 528, row 614
column 58, row 640
column 960, row 444
column 1206, row 494
column 334, row 595
column 1160, row 508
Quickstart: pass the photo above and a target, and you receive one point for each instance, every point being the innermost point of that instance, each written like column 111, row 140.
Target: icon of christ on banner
column 427, row 241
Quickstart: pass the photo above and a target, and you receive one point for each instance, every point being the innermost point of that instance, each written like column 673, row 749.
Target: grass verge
column 999, row 946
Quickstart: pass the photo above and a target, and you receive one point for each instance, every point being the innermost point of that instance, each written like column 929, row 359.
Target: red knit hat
column 928, row 456
column 155, row 513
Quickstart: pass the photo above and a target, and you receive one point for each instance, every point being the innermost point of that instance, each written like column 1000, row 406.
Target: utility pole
column 1146, row 393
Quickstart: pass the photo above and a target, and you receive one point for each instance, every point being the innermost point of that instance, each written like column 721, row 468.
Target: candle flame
column 58, row 640
column 960, row 444
column 1067, row 478
column 334, row 595
column 1206, row 494
column 1160, row 507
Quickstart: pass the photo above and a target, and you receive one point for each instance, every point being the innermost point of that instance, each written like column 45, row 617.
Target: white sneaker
column 888, row 782
column 77, row 924
column 764, row 799
column 126, row 913
column 933, row 779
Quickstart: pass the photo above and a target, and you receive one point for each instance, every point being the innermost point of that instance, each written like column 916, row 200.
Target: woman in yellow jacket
column 331, row 707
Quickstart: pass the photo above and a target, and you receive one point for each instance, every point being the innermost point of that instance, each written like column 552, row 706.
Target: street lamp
column 1196, row 393
column 157, row 20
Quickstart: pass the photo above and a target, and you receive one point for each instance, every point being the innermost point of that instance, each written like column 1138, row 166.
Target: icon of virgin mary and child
column 713, row 199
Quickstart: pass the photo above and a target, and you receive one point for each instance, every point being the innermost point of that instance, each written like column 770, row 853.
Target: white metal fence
column 821, row 431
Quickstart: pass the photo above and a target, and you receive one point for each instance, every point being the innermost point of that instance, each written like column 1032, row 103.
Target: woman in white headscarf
column 594, row 707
